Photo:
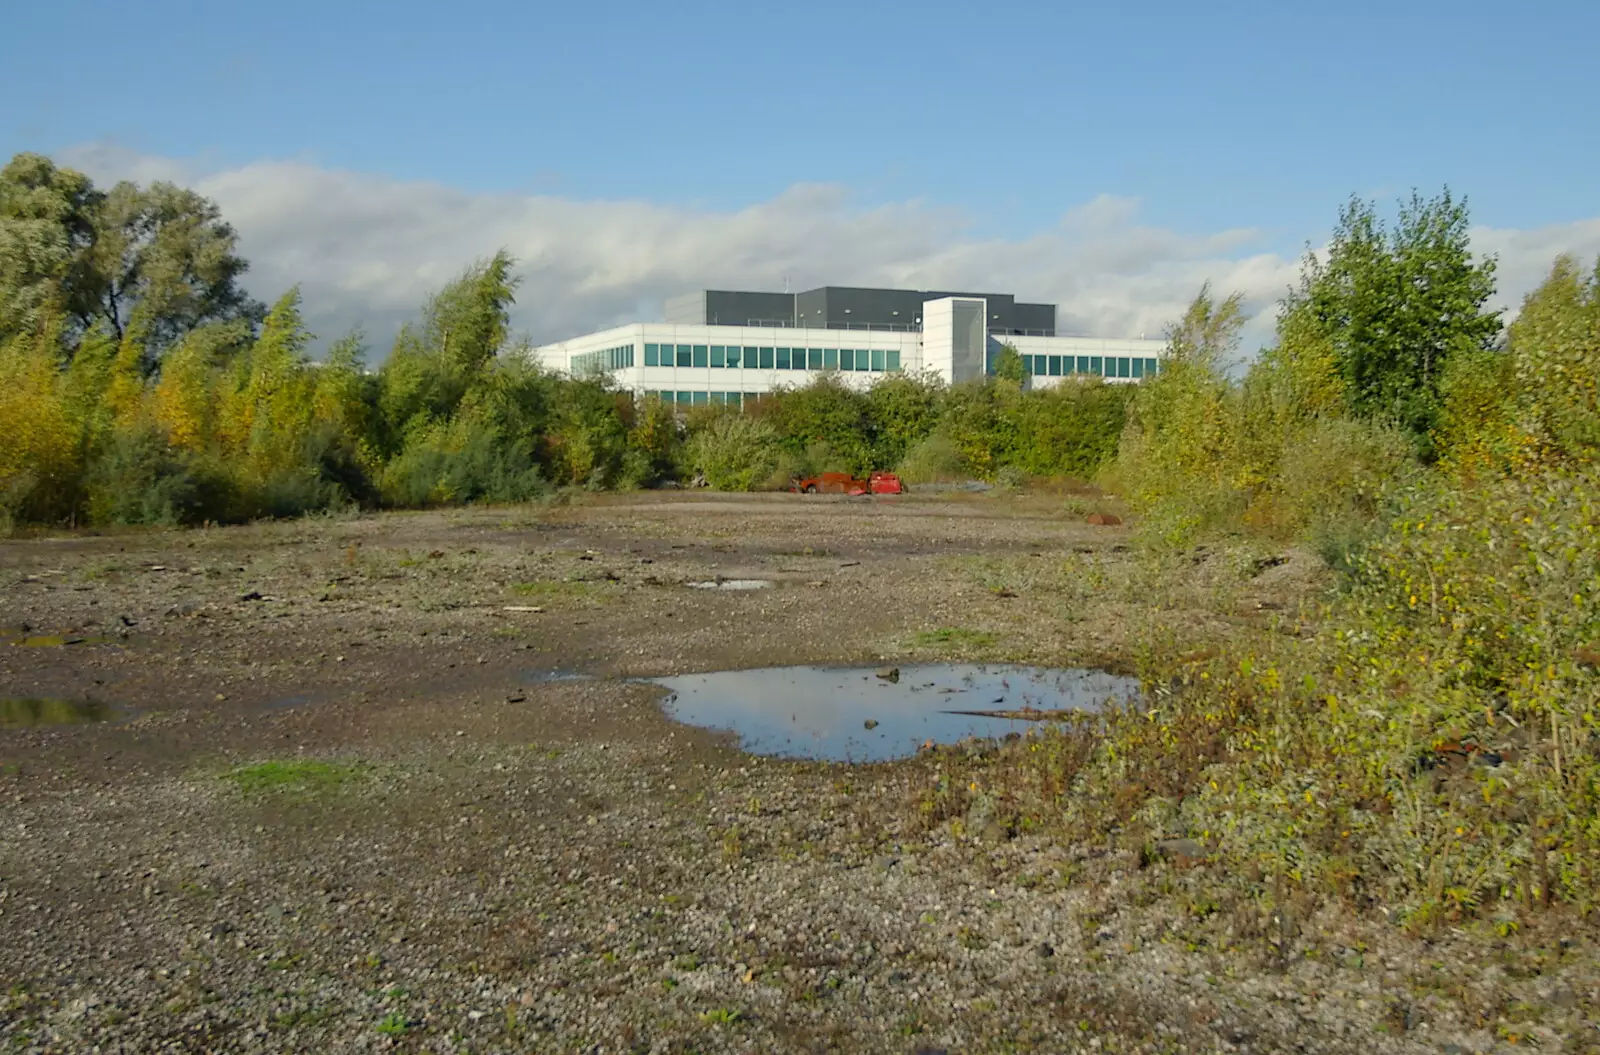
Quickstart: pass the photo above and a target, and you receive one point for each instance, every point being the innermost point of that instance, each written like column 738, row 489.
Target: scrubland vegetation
column 1428, row 746
column 1424, row 741
column 141, row 385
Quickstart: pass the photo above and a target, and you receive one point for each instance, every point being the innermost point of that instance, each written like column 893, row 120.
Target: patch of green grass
column 297, row 775
column 393, row 1024
column 722, row 1016
column 954, row 638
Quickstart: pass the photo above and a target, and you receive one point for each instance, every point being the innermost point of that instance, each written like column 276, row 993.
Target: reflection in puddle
column 25, row 640
column 861, row 714
column 34, row 711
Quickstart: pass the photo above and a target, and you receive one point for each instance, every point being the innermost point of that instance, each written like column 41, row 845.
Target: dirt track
column 490, row 861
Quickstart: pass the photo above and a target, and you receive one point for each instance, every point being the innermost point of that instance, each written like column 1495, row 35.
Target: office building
column 724, row 346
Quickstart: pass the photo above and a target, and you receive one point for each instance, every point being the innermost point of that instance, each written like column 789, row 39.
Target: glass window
column 892, row 360
column 877, row 359
column 830, row 358
column 700, row 355
column 766, row 357
column 1122, row 366
column 685, row 355
column 814, row 359
column 1055, row 366
column 682, row 397
column 783, row 358
column 1152, row 367
column 733, row 355
column 719, row 355
column 652, row 355
column 1094, row 366
column 1083, row 364
column 1138, row 368
column 700, row 399
column 847, row 359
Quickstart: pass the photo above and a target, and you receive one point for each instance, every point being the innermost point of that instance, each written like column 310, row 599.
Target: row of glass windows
column 734, row 357
column 732, row 399
column 606, row 359
column 1090, row 365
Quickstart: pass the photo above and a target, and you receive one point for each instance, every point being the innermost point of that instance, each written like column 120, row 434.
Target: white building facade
column 695, row 363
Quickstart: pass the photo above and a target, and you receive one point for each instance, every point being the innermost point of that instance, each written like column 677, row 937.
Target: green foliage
column 1008, row 366
column 162, row 260
column 733, row 452
column 136, row 477
column 299, row 775
column 46, row 226
column 1555, row 351
column 903, row 410
column 1435, row 748
column 1070, row 429
column 1208, row 332
column 1396, row 306
column 824, row 416
column 935, row 459
column 955, row 639
column 463, row 461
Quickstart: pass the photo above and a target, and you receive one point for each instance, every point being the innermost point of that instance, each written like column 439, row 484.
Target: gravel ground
column 346, row 810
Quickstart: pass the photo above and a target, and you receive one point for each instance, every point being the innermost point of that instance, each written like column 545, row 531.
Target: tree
column 46, row 228
column 466, row 322
column 1555, row 353
column 902, row 410
column 1396, row 305
column 1008, row 366
column 1208, row 331
column 156, row 260
column 163, row 256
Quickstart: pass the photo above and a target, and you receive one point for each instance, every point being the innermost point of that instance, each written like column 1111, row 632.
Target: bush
column 136, row 478
column 733, row 452
column 463, row 464
column 1332, row 475
column 936, row 459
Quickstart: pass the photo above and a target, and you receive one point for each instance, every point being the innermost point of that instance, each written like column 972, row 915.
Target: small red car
column 845, row 484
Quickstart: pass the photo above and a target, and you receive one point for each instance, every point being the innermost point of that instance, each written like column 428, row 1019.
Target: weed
column 394, row 1024
column 722, row 1016
column 955, row 639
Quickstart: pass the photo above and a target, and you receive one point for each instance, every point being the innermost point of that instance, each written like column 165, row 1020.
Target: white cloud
column 366, row 250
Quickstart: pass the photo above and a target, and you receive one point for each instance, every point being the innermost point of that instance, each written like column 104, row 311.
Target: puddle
column 35, row 711
column 53, row 640
column 732, row 584
column 824, row 712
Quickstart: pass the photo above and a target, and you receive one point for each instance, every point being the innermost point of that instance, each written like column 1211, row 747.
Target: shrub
column 463, row 464
column 936, row 459
column 734, row 452
column 136, row 478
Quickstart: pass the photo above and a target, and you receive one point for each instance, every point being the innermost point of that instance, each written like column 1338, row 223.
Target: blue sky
column 1210, row 117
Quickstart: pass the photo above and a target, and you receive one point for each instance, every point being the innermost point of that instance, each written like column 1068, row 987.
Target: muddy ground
column 347, row 809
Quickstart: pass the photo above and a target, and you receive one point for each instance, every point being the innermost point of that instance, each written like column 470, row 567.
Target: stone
column 1103, row 519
